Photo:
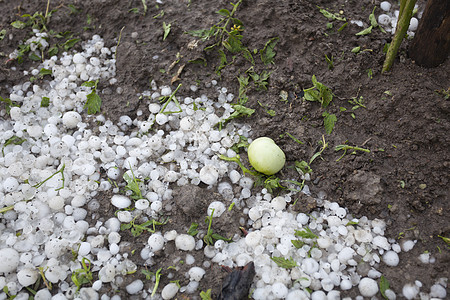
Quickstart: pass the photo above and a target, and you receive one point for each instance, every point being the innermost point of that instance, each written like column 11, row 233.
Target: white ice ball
column 209, row 174
column 27, row 276
column 135, row 287
column 391, row 258
column 368, row 287
column 196, row 273
column 120, row 201
column 438, row 291
column 107, row 273
column 10, row 184
column 185, row 242
column 10, row 260
column 169, row 291
column 78, row 58
column 186, row 123
column 71, row 119
column 408, row 245
column 410, row 291
column 278, row 203
column 279, row 290
column 386, row 6
column 413, row 24
column 156, row 242
column 384, row 19
column 253, row 239
column 218, row 207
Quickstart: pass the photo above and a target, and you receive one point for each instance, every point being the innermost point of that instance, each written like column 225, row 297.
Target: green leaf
column 93, row 103
column 45, row 71
column 73, row 9
column 445, row 239
column 306, row 233
column 2, row 34
column 343, row 26
column 206, row 295
column 233, row 44
column 219, row 237
column 223, row 61
column 193, row 229
column 201, row 33
column 331, row 16
column 284, row 263
column 356, row 49
column 14, row 140
column 166, row 28
column 365, row 31
column 125, row 226
column 243, row 143
column 373, row 19
column 91, row 83
column 53, row 51
column 161, row 14
column 18, row 24
column 268, row 53
column 224, row 12
column 302, row 167
column 70, row 43
column 132, row 185
column 319, row 92
column 45, row 102
column 329, row 121
column 248, row 56
column 200, row 61
column 144, row 4
column 384, row 285
column 241, row 110
column 297, row 243
column 33, row 56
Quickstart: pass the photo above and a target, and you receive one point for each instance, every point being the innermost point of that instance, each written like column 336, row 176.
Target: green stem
column 235, row 6
column 38, row 185
column 406, row 11
column 6, row 208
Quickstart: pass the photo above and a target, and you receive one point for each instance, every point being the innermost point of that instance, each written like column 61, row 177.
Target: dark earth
column 405, row 122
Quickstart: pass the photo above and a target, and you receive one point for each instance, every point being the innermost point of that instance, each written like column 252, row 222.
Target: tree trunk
column 431, row 44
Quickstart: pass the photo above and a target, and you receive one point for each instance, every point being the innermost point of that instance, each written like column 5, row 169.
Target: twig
column 406, row 12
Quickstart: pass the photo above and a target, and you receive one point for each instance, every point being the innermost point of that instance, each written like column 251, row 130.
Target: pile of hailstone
column 389, row 19
column 50, row 211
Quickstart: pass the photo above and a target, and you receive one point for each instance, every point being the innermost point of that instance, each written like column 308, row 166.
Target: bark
column 431, row 44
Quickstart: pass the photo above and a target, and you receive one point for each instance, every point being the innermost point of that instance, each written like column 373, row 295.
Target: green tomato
column 265, row 156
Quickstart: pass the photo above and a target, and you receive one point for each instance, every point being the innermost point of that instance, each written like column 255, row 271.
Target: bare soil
column 405, row 124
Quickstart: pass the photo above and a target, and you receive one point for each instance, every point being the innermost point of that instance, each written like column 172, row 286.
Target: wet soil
column 405, row 122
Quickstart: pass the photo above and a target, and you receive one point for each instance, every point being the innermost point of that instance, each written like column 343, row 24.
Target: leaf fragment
column 268, row 53
column 329, row 120
column 166, row 28
column 284, row 263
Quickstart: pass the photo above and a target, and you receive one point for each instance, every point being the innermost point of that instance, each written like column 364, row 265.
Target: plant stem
column 235, row 6
column 46, row 11
column 406, row 11
column 6, row 208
